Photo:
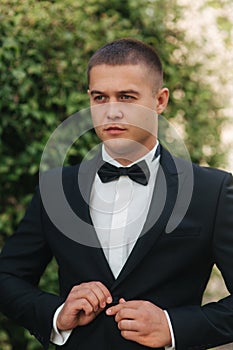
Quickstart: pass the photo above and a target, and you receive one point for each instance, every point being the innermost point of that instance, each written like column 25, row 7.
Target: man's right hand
column 83, row 304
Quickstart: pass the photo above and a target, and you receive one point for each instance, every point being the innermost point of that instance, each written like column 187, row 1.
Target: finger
column 113, row 310
column 102, row 293
column 127, row 314
column 84, row 305
column 95, row 292
column 74, row 307
column 122, row 300
column 134, row 304
column 81, row 292
column 130, row 335
column 106, row 292
column 128, row 325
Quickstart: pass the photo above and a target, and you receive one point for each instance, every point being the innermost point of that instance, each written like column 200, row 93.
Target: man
column 135, row 286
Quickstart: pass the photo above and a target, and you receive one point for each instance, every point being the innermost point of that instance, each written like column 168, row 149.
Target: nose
column 114, row 111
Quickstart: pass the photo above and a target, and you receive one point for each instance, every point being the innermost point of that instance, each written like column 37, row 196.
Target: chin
column 123, row 148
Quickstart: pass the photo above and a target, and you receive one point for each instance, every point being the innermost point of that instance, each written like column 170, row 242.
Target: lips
column 114, row 129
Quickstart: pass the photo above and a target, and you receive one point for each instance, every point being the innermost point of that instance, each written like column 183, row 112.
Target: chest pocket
column 184, row 232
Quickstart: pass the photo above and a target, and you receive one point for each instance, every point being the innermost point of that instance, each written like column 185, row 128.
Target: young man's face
column 125, row 105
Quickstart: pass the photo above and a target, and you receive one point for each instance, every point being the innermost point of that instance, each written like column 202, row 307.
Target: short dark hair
column 128, row 51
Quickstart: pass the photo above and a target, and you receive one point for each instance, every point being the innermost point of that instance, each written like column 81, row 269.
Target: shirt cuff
column 59, row 337
column 172, row 347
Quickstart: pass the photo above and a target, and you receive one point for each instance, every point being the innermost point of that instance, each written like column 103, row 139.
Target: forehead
column 103, row 75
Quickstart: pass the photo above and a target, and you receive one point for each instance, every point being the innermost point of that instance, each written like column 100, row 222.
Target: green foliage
column 44, row 49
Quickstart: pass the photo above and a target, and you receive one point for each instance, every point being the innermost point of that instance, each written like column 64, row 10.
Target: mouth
column 114, row 129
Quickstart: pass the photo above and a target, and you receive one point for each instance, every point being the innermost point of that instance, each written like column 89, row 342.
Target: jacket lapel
column 86, row 176
column 162, row 204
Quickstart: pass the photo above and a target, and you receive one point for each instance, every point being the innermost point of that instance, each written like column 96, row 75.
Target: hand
column 142, row 322
column 83, row 304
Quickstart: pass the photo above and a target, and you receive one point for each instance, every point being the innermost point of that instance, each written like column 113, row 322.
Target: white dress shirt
column 118, row 210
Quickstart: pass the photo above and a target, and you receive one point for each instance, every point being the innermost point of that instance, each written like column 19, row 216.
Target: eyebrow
column 134, row 92
column 97, row 92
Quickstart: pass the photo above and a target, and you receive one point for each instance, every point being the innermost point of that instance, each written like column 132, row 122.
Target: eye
column 126, row 97
column 100, row 98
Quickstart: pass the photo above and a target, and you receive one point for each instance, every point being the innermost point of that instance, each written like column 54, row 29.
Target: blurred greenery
column 44, row 49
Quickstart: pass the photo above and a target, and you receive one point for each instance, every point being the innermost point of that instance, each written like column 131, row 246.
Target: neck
column 130, row 157
column 125, row 161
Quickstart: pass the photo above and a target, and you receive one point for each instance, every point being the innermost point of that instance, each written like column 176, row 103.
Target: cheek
column 97, row 115
column 144, row 126
column 95, row 120
column 149, row 102
column 99, row 132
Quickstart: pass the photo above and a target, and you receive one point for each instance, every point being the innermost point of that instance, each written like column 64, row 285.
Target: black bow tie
column 139, row 172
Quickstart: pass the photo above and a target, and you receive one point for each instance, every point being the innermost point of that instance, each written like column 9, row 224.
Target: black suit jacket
column 169, row 269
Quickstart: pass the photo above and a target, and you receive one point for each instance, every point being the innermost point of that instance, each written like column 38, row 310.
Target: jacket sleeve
column 22, row 262
column 210, row 325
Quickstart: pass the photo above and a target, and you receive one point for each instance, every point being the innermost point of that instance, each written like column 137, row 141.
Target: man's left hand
column 142, row 322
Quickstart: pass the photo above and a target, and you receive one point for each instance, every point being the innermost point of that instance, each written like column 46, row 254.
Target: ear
column 162, row 100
